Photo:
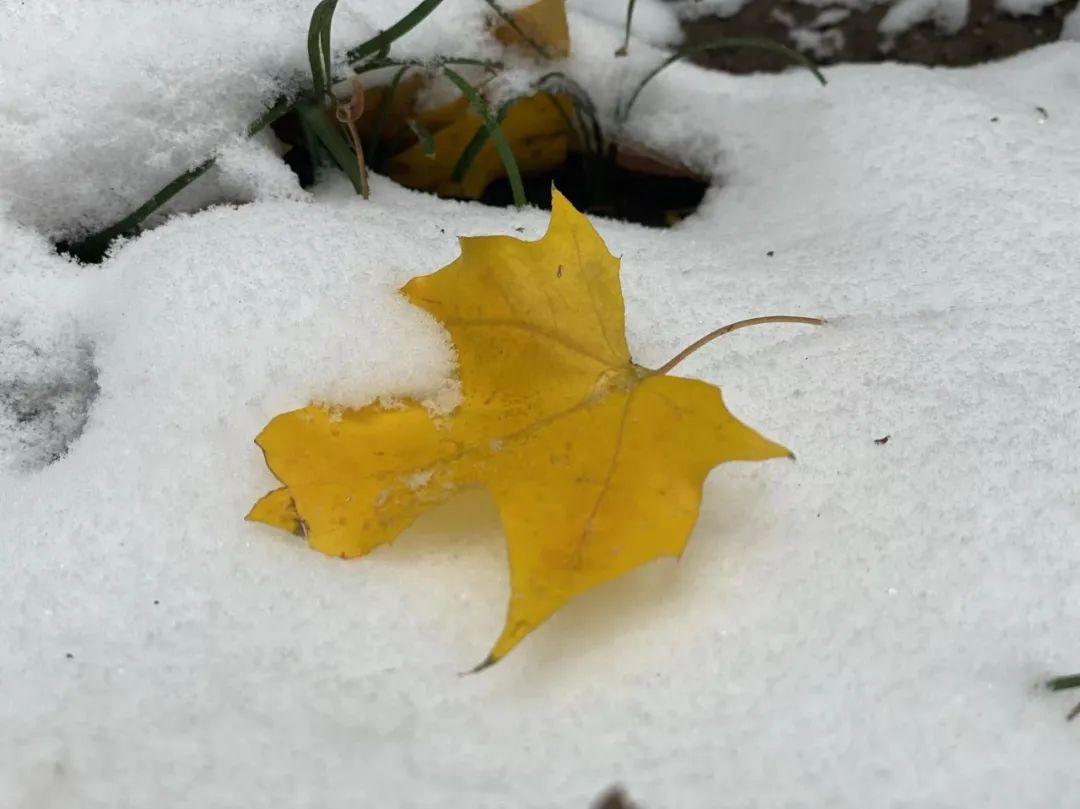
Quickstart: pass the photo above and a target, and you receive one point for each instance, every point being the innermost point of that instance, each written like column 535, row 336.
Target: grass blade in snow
column 725, row 43
column 330, row 137
column 506, row 154
column 381, row 42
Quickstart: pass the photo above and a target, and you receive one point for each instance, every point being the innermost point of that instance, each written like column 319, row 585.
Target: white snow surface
column 133, row 93
column 1020, row 7
column 1070, row 27
column 695, row 9
column 948, row 15
column 867, row 626
column 654, row 21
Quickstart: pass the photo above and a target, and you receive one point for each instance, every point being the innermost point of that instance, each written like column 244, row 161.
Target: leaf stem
column 741, row 324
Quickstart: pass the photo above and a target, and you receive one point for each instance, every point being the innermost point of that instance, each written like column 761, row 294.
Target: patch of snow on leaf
column 419, row 480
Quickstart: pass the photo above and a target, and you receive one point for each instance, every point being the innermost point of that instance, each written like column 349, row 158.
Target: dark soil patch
column 987, row 35
column 653, row 200
column 636, row 188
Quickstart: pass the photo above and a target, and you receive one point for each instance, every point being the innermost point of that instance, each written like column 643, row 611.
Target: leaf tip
column 487, row 663
column 560, row 200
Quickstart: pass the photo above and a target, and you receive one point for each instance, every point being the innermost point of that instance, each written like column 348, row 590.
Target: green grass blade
column 329, row 135
column 318, row 79
column 1062, row 683
column 565, row 82
column 380, row 43
column 92, row 249
column 723, row 43
column 629, row 21
column 431, row 66
column 311, row 145
column 508, row 18
column 318, row 44
column 584, row 108
column 506, row 154
column 324, row 40
column 476, row 143
column 268, row 117
column 384, row 114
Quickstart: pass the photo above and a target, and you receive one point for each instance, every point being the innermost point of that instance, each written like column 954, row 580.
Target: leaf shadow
column 464, row 524
column 646, row 613
column 637, row 622
column 454, row 574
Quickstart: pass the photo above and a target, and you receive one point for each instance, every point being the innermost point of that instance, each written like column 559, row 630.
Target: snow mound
column 133, row 94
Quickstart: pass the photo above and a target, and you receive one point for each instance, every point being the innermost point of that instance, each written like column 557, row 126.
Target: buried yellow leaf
column 544, row 23
column 535, row 127
column 596, row 463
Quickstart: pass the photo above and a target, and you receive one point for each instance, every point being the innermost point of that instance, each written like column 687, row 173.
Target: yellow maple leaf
column 596, row 464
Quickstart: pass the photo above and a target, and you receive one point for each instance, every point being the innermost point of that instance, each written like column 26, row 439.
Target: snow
column 866, row 626
column 654, row 21
column 188, row 75
column 948, row 15
column 1018, row 8
column 820, row 44
column 47, row 375
column 1070, row 28
column 695, row 9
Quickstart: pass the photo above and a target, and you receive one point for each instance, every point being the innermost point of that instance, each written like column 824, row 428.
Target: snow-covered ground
column 867, row 626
